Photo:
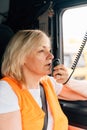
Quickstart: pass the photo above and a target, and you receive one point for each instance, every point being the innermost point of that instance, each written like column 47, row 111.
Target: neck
column 31, row 83
column 31, row 80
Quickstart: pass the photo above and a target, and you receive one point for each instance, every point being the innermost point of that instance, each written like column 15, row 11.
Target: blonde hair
column 22, row 43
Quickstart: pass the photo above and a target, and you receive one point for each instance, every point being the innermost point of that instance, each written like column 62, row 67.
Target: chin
column 49, row 72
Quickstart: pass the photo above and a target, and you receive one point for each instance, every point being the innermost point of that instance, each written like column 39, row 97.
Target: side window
column 74, row 29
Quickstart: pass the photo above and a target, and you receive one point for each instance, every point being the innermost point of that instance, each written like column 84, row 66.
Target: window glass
column 74, row 30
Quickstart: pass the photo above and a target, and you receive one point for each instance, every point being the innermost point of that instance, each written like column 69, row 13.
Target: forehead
column 45, row 42
column 39, row 42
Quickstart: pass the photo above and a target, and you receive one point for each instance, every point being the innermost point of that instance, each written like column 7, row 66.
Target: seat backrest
column 6, row 34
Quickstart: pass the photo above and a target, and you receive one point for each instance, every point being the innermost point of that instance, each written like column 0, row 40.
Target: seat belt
column 44, row 106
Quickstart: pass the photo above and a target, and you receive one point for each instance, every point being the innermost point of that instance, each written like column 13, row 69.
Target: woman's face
column 40, row 60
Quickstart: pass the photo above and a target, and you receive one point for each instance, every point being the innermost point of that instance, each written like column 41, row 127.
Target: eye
column 42, row 50
column 50, row 51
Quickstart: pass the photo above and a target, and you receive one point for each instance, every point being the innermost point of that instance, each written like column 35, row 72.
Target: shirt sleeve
column 57, row 86
column 8, row 99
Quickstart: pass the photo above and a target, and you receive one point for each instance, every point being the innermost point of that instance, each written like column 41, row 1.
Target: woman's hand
column 60, row 73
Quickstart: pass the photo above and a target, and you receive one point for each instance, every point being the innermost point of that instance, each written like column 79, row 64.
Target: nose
column 51, row 56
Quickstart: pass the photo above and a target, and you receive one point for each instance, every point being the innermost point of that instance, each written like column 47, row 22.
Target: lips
column 49, row 65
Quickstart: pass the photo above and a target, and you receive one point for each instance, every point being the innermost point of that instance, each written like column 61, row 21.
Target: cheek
column 38, row 62
column 39, row 59
column 34, row 61
column 28, row 61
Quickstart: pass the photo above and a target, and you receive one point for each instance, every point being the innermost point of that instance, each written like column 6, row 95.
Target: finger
column 59, row 72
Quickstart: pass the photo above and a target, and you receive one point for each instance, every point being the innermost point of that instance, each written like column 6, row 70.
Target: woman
column 27, row 62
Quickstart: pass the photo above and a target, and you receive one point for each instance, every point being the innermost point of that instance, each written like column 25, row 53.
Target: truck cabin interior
column 25, row 14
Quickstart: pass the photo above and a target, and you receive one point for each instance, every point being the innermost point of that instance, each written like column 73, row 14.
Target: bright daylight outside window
column 74, row 29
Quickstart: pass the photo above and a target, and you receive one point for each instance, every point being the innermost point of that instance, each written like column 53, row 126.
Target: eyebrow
column 46, row 47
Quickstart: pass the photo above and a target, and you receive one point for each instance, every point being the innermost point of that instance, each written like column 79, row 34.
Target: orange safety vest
column 32, row 115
